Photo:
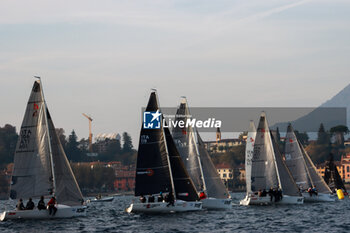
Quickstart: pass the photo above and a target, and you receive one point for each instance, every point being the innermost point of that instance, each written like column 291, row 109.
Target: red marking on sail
column 184, row 132
column 36, row 107
column 291, row 140
column 150, row 172
column 251, row 140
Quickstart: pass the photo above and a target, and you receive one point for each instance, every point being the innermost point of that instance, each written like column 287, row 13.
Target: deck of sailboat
column 164, row 207
column 63, row 211
column 252, row 199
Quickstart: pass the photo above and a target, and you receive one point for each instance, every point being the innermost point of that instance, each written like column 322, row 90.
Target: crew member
column 51, row 204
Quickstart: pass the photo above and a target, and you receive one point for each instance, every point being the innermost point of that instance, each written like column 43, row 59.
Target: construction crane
column 90, row 133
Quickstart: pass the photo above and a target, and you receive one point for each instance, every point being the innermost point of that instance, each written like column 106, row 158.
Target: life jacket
column 202, row 195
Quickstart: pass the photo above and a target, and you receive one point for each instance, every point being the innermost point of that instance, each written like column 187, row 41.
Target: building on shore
column 222, row 145
column 225, row 171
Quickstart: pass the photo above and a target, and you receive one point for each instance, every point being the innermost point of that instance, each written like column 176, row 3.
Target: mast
column 49, row 139
column 196, row 147
column 166, row 148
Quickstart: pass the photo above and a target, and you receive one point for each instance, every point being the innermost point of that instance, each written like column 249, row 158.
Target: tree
column 322, row 136
column 72, row 150
column 278, row 135
column 127, row 143
column 338, row 132
column 8, row 141
column 60, row 133
column 302, row 137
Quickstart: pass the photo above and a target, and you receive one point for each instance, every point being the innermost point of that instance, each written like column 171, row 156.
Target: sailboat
column 249, row 151
column 198, row 162
column 41, row 167
column 160, row 169
column 268, row 170
column 303, row 170
column 332, row 177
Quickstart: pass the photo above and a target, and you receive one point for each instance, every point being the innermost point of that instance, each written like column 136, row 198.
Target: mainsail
column 249, row 151
column 41, row 167
column 32, row 176
column 152, row 169
column 264, row 174
column 215, row 186
column 184, row 139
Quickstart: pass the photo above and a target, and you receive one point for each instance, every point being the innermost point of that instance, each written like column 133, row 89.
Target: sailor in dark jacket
column 41, row 204
column 30, row 204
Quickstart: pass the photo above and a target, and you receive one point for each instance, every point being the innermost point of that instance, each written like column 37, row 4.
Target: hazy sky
column 102, row 57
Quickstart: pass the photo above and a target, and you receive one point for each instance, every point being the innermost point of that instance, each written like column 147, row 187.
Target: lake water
column 110, row 217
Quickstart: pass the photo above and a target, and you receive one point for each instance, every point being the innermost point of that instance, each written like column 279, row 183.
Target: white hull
column 252, row 199
column 216, row 204
column 161, row 207
column 103, row 199
column 63, row 211
column 321, row 197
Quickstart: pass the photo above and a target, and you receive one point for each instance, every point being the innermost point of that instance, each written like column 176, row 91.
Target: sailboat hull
column 103, row 199
column 217, row 204
column 162, row 207
column 63, row 211
column 252, row 199
column 321, row 197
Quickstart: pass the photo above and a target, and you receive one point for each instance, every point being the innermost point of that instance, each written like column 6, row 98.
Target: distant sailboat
column 198, row 162
column 332, row 177
column 41, row 167
column 160, row 170
column 268, row 170
column 303, row 170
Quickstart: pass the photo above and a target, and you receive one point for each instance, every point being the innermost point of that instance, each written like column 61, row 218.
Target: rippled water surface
column 110, row 217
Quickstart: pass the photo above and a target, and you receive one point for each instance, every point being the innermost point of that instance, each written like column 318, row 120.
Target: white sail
column 249, row 150
column 32, row 176
column 301, row 166
column 264, row 173
column 41, row 167
column 184, row 139
column 295, row 160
